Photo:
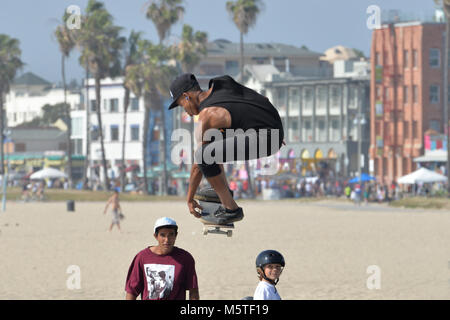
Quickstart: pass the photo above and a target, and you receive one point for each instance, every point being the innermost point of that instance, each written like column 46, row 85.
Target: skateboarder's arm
column 194, row 181
column 193, row 294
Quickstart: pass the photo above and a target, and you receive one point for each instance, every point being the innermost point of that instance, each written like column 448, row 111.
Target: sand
column 328, row 247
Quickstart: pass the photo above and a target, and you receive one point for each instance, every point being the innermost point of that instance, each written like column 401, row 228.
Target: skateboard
column 210, row 205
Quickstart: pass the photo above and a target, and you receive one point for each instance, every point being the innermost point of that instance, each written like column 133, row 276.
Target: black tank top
column 248, row 109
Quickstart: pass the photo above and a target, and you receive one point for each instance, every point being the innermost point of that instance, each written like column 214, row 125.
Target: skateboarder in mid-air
column 250, row 128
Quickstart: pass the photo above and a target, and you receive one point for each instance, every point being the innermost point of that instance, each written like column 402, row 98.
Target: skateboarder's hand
column 192, row 204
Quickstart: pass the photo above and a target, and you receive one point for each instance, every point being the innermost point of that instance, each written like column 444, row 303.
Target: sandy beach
column 328, row 246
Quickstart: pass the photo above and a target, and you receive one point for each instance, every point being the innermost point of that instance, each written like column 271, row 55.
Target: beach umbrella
column 47, row 173
column 364, row 178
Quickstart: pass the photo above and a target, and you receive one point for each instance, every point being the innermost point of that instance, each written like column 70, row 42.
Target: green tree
column 244, row 14
column 101, row 44
column 51, row 113
column 66, row 41
column 132, row 57
column 10, row 63
column 150, row 75
column 164, row 14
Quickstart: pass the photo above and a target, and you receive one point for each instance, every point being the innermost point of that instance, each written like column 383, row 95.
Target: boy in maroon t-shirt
column 163, row 271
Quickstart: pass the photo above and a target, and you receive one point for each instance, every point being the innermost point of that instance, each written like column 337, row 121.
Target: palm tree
column 188, row 52
column 147, row 77
column 66, row 41
column 101, row 44
column 10, row 63
column 244, row 14
column 131, row 58
column 164, row 14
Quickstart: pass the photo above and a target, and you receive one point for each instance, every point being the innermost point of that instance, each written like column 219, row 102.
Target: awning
column 433, row 156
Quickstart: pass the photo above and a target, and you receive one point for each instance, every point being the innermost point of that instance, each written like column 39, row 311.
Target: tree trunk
column 125, row 110
column 88, row 131
column 69, row 124
column 241, row 79
column 100, row 130
column 164, row 151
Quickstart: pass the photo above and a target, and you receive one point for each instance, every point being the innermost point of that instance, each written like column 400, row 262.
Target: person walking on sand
column 116, row 210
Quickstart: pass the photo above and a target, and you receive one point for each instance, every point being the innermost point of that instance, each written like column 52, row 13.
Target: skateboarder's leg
column 220, row 185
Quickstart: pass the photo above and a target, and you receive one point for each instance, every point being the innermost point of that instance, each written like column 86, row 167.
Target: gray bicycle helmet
column 269, row 257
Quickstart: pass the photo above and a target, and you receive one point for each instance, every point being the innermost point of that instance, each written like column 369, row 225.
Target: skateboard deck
column 208, row 207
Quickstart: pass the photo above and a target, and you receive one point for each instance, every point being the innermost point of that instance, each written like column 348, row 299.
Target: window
column 20, row 147
column 134, row 104
column 415, row 58
column 114, row 105
column 378, row 93
column 322, row 98
column 307, row 125
column 308, row 99
column 62, row 146
column 93, row 105
column 386, row 94
column 414, row 129
column 406, row 130
column 77, row 126
column 95, row 133
column 435, row 125
column 434, row 93
column 114, row 132
column 377, row 59
column 415, row 93
column 405, row 94
column 406, row 58
column 231, row 66
column 435, row 57
column 134, row 132
column 335, row 100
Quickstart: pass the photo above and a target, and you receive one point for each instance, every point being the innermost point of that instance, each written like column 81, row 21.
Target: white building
column 112, row 107
column 29, row 93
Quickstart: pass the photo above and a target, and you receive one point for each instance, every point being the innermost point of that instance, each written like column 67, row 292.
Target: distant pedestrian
column 116, row 210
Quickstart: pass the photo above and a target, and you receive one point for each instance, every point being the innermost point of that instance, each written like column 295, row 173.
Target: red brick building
column 406, row 94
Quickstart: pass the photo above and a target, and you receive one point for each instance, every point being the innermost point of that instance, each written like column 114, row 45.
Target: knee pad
column 208, row 170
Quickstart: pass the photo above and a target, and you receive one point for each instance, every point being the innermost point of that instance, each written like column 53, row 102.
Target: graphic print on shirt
column 160, row 279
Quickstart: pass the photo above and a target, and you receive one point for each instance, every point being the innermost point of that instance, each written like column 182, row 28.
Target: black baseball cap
column 181, row 84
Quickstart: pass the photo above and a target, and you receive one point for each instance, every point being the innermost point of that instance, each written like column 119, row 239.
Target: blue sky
column 317, row 24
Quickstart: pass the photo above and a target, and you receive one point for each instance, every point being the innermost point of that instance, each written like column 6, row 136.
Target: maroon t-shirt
column 158, row 277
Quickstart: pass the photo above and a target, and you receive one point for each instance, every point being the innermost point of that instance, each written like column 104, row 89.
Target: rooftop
column 222, row 47
column 30, row 79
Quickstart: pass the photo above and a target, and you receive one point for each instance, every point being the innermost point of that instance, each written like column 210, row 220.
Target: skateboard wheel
column 229, row 233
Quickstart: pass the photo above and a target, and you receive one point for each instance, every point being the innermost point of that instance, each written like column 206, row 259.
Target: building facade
column 325, row 120
column 29, row 93
column 407, row 94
